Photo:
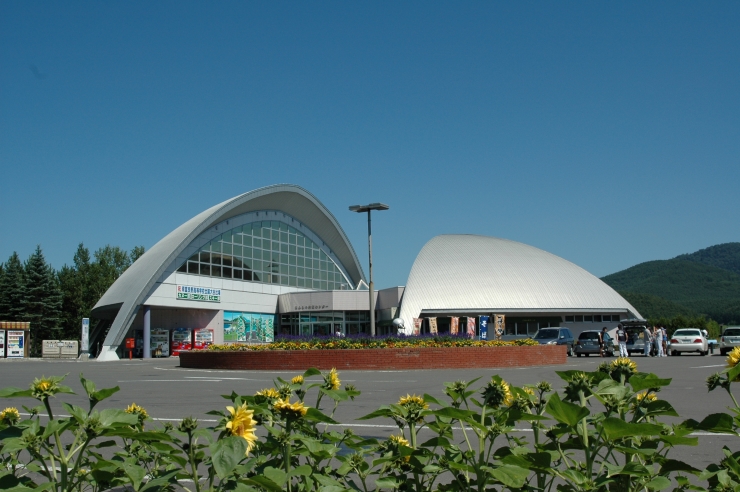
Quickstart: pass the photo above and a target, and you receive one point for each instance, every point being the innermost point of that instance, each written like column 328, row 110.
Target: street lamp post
column 361, row 209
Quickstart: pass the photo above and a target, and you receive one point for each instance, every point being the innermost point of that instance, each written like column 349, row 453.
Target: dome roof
column 123, row 299
column 461, row 274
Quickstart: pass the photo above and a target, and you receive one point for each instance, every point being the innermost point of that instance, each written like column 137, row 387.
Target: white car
column 729, row 340
column 689, row 340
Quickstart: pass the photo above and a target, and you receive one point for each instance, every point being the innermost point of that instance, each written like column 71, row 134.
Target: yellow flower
column 646, row 397
column 331, row 380
column 45, row 387
column 291, row 410
column 399, row 440
column 10, row 416
column 268, row 393
column 297, row 380
column 242, row 424
column 733, row 357
column 408, row 400
column 497, row 393
column 529, row 390
column 625, row 363
column 137, row 410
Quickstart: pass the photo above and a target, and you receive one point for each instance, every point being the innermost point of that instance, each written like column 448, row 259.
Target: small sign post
column 85, row 339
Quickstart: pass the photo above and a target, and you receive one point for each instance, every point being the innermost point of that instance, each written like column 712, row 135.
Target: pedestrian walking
column 622, row 339
column 648, row 339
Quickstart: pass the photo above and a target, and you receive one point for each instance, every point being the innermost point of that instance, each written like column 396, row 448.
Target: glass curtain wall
column 325, row 323
column 270, row 252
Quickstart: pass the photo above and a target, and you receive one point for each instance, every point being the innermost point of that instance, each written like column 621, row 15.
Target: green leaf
column 642, row 381
column 565, row 412
column 14, row 392
column 264, row 482
column 318, row 416
column 111, row 416
column 276, row 475
column 510, row 475
column 733, row 373
column 454, row 413
column 134, row 472
column 311, row 372
column 658, row 483
column 336, row 395
column 226, row 454
column 301, row 471
column 574, row 476
column 660, row 407
column 380, row 412
column 430, row 399
column 615, row 428
column 677, row 466
column 716, row 422
column 680, row 441
column 387, row 483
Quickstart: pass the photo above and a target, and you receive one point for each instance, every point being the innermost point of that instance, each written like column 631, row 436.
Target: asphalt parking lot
column 169, row 392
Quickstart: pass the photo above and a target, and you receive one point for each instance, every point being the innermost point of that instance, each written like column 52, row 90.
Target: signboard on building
column 484, row 327
column 191, row 293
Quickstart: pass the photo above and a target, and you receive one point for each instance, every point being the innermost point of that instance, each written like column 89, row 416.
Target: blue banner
column 483, row 327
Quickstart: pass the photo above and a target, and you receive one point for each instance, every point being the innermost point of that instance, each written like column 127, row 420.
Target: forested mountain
column 706, row 282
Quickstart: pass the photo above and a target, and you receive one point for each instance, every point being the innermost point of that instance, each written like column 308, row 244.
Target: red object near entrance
column 130, row 345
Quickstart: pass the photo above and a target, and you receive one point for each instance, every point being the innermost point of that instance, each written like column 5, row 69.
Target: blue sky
column 604, row 132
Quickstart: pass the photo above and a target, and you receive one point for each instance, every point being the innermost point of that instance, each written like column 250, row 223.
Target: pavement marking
column 166, row 381
column 702, row 367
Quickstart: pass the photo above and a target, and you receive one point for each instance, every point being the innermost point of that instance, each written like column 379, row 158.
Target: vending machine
column 180, row 340
column 203, row 338
column 160, row 343
column 16, row 343
column 2, row 344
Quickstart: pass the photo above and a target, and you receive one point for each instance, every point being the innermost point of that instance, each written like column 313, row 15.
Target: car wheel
column 705, row 353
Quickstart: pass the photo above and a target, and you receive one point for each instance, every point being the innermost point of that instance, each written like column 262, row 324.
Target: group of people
column 654, row 337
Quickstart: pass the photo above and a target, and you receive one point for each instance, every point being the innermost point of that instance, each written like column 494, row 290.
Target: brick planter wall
column 377, row 359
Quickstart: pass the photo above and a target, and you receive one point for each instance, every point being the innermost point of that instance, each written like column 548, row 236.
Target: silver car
column 729, row 340
column 689, row 340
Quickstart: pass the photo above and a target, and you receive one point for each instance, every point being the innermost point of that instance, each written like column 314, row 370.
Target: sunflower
column 331, row 380
column 409, row 400
column 10, row 416
column 398, row 440
column 646, row 397
column 268, row 393
column 291, row 410
column 297, row 380
column 626, row 364
column 497, row 393
column 45, row 387
column 242, row 424
column 733, row 357
column 137, row 410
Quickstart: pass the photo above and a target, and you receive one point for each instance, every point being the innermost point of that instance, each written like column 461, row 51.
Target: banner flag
column 484, row 327
column 454, row 325
column 499, row 325
column 433, row 326
column 417, row 325
column 471, row 326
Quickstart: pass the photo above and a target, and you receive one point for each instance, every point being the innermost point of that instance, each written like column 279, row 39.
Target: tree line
column 55, row 301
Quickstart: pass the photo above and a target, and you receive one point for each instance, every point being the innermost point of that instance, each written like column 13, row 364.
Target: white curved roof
column 468, row 273
column 123, row 298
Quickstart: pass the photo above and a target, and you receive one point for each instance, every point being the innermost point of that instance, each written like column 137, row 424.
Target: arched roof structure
column 461, row 274
column 123, row 299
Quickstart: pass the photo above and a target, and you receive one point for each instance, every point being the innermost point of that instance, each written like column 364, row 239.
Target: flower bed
column 389, row 357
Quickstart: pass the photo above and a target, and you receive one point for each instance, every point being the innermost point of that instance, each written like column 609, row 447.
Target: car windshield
column 687, row 333
column 589, row 335
column 732, row 332
column 548, row 333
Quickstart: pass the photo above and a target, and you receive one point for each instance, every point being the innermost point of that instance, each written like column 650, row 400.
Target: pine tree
column 78, row 298
column 43, row 301
column 12, row 290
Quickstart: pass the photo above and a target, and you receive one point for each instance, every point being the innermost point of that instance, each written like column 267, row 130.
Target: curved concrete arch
column 122, row 300
column 460, row 274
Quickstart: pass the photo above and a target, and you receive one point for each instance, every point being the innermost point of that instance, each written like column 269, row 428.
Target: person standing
column 602, row 341
column 664, row 339
column 658, row 341
column 622, row 339
column 648, row 339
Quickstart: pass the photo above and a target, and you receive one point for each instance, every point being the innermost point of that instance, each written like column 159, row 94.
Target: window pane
column 284, row 258
column 291, row 239
column 292, row 271
column 237, row 273
column 226, row 260
column 300, row 282
column 227, row 249
column 292, row 260
column 300, row 272
column 193, row 267
column 238, row 263
column 226, row 272
column 292, row 281
column 301, row 261
column 215, row 271
column 205, row 269
column 238, row 250
column 283, row 248
column 216, row 247
column 205, row 257
column 248, row 275
column 283, row 236
column 246, row 240
column 301, row 251
column 183, row 268
column 215, row 259
column 284, row 280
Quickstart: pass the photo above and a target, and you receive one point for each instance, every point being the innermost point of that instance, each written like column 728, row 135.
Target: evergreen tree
column 43, row 301
column 77, row 295
column 12, row 290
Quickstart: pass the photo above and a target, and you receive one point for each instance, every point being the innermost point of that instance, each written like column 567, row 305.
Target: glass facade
column 325, row 323
column 270, row 252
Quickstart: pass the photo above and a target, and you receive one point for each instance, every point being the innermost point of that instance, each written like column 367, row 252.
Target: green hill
column 706, row 282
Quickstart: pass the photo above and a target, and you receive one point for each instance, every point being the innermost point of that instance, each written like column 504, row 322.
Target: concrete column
column 147, row 332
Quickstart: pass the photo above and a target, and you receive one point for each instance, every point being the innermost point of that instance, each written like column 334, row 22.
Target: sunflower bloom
column 45, row 387
column 242, row 424
column 291, row 410
column 268, row 393
column 408, row 400
column 733, row 358
column 331, row 380
column 399, row 440
column 137, row 410
column 10, row 416
column 497, row 393
column 297, row 380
